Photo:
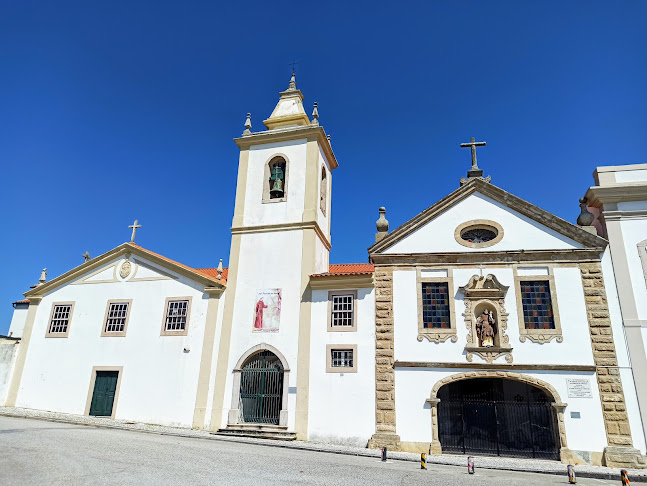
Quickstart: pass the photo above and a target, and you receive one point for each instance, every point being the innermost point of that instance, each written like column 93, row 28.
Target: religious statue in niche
column 486, row 319
column 486, row 328
column 267, row 312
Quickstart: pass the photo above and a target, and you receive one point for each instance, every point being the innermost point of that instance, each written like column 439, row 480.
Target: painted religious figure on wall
column 486, row 328
column 267, row 312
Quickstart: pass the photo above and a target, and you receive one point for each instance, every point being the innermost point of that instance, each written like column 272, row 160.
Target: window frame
column 340, row 369
column 105, row 333
column 48, row 333
column 331, row 327
column 436, row 335
column 478, row 224
column 323, row 190
column 183, row 332
column 267, row 172
column 537, row 335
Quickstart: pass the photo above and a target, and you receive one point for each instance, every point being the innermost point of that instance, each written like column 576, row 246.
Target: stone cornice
column 513, row 202
column 315, row 132
column 624, row 192
column 509, row 257
column 493, row 366
column 267, row 228
column 627, row 214
column 333, row 282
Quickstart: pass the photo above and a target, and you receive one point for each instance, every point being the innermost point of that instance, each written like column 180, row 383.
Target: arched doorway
column 261, row 388
column 497, row 416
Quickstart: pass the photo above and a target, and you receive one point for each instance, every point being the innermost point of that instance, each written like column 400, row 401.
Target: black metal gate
column 497, row 417
column 261, row 388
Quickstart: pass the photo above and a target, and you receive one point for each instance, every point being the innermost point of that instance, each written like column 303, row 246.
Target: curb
column 612, row 474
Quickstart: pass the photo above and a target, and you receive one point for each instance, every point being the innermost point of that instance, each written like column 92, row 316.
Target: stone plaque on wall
column 579, row 388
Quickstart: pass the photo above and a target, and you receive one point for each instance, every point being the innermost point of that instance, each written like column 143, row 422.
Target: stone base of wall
column 623, row 457
column 390, row 441
column 580, row 458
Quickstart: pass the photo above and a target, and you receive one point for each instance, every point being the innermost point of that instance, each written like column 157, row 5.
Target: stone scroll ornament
column 126, row 267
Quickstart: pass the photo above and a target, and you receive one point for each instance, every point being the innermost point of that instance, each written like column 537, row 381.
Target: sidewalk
column 502, row 463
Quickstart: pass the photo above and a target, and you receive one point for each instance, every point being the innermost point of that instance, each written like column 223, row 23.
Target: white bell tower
column 280, row 236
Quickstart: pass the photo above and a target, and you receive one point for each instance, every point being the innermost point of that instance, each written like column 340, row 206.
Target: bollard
column 624, row 477
column 423, row 461
column 571, row 474
column 383, row 454
column 470, row 465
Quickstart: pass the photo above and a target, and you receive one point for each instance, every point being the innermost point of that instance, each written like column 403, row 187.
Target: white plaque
column 579, row 388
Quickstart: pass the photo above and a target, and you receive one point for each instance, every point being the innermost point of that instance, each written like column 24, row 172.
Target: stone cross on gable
column 473, row 146
column 134, row 227
column 474, row 172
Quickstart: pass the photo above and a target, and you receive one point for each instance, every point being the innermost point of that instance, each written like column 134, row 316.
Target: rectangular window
column 342, row 310
column 342, row 358
column 537, row 305
column 116, row 319
column 60, row 319
column 176, row 315
column 435, row 305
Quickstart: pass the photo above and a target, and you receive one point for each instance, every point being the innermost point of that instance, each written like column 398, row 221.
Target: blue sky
column 111, row 111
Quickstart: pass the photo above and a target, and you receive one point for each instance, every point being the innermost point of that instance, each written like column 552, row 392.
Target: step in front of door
column 258, row 431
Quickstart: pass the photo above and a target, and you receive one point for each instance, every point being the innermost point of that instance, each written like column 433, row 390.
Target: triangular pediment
column 126, row 262
column 521, row 226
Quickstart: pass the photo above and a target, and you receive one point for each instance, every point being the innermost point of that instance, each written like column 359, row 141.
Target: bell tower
column 280, row 236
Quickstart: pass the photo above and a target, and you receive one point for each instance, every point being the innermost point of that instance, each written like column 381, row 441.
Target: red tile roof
column 24, row 301
column 347, row 269
column 213, row 273
column 207, row 272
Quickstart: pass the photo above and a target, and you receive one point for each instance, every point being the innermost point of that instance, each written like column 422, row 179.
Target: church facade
column 483, row 325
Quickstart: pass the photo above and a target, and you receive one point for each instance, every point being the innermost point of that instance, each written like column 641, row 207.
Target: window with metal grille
column 117, row 314
column 435, row 305
column 60, row 319
column 342, row 310
column 176, row 313
column 341, row 358
column 537, row 305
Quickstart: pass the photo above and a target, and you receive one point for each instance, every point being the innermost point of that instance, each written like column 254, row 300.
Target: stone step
column 258, row 432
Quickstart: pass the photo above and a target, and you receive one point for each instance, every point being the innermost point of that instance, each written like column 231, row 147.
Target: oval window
column 479, row 235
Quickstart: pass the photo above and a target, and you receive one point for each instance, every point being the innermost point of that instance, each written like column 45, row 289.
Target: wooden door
column 103, row 396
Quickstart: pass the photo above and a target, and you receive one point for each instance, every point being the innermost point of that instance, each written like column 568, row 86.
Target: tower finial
column 293, row 83
column 315, row 115
column 248, row 124
column 219, row 270
column 382, row 225
column 43, row 277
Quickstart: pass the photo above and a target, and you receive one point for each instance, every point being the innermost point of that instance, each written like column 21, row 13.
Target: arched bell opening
column 498, row 416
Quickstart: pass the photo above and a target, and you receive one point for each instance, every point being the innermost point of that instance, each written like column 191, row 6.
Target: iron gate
column 261, row 389
column 497, row 417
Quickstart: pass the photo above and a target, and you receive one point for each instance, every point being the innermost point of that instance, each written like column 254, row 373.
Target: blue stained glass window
column 435, row 305
column 537, row 306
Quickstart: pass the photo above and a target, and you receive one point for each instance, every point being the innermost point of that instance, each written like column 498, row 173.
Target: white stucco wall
column 290, row 211
column 413, row 415
column 636, row 175
column 634, row 231
column 18, row 320
column 323, row 219
column 159, row 378
column 342, row 405
column 8, row 352
column 520, row 232
column 267, row 261
column 575, row 349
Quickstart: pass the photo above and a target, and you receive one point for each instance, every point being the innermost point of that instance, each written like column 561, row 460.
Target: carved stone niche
column 485, row 294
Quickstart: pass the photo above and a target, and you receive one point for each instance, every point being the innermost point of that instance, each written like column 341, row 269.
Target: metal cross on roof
column 473, row 146
column 134, row 227
column 293, row 64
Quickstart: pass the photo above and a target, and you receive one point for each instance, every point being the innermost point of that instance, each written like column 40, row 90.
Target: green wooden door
column 103, row 395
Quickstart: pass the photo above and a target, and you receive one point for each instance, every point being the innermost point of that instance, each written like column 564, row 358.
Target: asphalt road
column 35, row 452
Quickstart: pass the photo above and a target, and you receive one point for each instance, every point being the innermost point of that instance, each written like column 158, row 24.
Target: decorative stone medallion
column 126, row 268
